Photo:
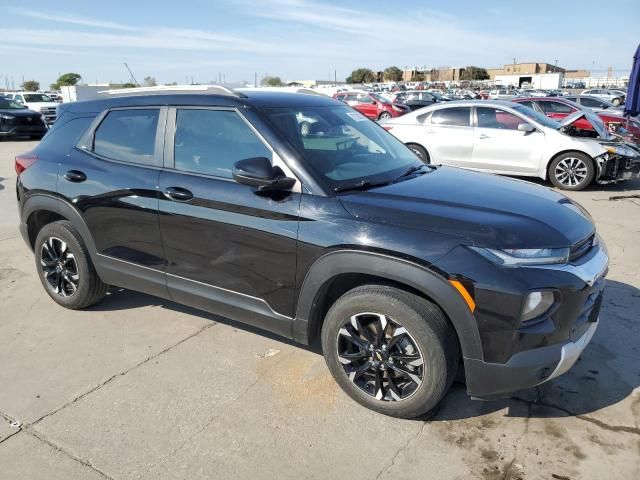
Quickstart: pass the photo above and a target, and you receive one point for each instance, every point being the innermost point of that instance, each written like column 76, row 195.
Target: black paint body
column 277, row 261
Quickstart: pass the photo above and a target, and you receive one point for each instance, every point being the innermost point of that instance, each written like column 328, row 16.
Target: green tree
column 31, row 85
column 418, row 77
column 393, row 74
column 149, row 82
column 129, row 85
column 66, row 79
column 272, row 82
column 361, row 75
column 474, row 73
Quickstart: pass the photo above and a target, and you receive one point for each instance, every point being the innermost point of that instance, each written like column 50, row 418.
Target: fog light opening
column 536, row 304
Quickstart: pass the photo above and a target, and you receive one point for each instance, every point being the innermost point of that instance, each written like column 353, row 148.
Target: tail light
column 387, row 127
column 24, row 161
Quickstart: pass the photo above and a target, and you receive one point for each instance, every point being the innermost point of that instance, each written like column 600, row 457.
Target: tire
column 420, row 152
column 65, row 267
column 384, row 116
column 562, row 166
column 616, row 102
column 427, row 334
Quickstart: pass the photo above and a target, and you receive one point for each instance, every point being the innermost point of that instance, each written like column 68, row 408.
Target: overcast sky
column 304, row 39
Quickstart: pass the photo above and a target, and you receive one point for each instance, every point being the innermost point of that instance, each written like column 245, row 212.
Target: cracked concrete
column 139, row 388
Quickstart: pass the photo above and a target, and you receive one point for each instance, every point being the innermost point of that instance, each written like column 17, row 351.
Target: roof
column 200, row 98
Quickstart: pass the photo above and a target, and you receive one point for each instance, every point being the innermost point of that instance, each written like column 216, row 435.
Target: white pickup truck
column 39, row 102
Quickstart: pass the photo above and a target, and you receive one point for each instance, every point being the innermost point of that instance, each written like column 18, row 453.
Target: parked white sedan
column 500, row 137
column 603, row 94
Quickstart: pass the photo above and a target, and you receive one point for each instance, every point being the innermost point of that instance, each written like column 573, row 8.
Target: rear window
column 128, row 135
column 456, row 117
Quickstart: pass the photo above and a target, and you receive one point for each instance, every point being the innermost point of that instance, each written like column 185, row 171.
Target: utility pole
column 255, row 79
column 131, row 73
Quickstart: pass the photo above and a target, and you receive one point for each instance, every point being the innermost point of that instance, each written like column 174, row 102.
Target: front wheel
column 389, row 350
column 616, row 102
column 419, row 151
column 572, row 171
column 384, row 116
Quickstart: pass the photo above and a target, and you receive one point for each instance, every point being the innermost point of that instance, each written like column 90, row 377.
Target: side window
column 528, row 103
column 212, row 141
column 64, row 135
column 364, row 98
column 590, row 102
column 494, row 118
column 458, row 117
column 555, row 107
column 128, row 135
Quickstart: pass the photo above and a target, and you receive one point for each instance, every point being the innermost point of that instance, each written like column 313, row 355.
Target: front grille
column 581, row 248
column 48, row 110
column 28, row 121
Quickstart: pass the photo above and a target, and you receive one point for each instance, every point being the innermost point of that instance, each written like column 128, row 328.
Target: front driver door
column 500, row 147
column 230, row 249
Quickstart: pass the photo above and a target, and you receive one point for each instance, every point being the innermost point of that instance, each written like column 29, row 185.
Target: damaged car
column 511, row 139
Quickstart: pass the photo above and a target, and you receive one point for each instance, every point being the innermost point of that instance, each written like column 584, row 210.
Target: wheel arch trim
column 418, row 277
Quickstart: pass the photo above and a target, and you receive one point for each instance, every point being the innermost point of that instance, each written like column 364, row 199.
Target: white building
column 535, row 80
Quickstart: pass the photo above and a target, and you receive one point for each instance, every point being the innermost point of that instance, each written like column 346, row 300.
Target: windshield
column 538, row 117
column 341, row 145
column 8, row 104
column 37, row 97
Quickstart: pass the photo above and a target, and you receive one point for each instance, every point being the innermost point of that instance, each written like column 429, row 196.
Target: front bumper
column 524, row 370
column 516, row 357
column 618, row 168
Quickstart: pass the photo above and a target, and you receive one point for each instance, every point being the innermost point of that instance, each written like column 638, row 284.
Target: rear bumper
column 524, row 370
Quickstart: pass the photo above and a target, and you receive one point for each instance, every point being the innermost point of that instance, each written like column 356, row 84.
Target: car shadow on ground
column 605, row 374
column 2, row 180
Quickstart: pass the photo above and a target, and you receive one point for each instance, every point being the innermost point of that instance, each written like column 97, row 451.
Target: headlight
column 622, row 150
column 536, row 304
column 515, row 257
column 6, row 117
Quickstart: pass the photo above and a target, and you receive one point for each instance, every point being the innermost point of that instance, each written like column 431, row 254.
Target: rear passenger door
column 111, row 178
column 230, row 248
column 448, row 136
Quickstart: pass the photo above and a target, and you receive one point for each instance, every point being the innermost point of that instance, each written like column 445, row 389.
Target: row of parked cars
column 570, row 140
column 26, row 114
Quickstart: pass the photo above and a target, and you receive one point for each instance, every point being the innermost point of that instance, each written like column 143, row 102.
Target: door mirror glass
column 258, row 172
column 526, row 127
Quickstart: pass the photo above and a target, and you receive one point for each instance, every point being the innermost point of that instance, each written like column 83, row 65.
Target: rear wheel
column 389, row 350
column 65, row 268
column 384, row 116
column 571, row 171
column 420, row 152
column 616, row 102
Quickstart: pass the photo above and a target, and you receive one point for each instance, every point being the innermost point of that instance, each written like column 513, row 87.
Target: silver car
column 603, row 94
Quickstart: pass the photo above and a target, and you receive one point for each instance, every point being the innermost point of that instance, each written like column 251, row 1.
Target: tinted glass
column 452, row 117
column 527, row 104
column 212, row 141
column 341, row 145
column 555, row 107
column 63, row 136
column 128, row 135
column 494, row 118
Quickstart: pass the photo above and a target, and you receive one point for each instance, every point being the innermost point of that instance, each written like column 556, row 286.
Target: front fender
column 398, row 270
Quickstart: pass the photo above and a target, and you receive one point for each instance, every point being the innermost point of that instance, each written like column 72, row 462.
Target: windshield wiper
column 362, row 185
column 411, row 170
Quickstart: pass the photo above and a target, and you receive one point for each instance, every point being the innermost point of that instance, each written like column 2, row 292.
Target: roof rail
column 160, row 89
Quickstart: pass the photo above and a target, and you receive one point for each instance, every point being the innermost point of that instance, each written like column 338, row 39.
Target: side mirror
column 258, row 172
column 526, row 128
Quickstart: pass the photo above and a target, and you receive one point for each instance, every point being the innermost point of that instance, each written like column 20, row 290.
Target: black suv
column 334, row 232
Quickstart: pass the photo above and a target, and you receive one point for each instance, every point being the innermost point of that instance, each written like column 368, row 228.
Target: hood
column 484, row 209
column 595, row 121
column 42, row 104
column 21, row 113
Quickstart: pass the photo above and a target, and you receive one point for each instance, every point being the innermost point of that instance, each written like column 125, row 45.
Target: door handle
column 482, row 136
column 178, row 194
column 75, row 176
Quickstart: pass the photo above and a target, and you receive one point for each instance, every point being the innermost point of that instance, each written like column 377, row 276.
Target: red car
column 371, row 105
column 557, row 108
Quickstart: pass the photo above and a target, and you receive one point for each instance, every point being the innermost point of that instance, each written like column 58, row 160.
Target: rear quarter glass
column 64, row 136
